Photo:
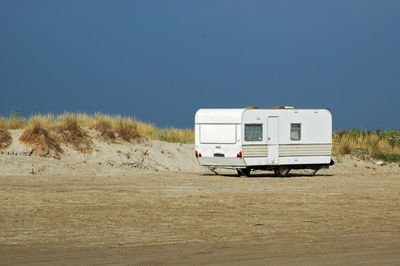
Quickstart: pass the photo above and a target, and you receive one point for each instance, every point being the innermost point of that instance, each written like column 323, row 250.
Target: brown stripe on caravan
column 258, row 150
column 288, row 150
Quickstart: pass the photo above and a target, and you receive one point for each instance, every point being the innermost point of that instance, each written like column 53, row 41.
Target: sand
column 160, row 207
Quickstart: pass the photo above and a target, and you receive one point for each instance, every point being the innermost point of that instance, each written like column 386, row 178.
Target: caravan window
column 253, row 132
column 295, row 131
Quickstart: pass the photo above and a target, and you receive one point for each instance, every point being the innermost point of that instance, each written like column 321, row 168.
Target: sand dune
column 105, row 158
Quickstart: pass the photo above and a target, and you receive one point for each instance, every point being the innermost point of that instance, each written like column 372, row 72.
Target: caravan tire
column 244, row 171
column 282, row 171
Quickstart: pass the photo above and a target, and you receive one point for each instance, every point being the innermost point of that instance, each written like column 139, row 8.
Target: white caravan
column 278, row 139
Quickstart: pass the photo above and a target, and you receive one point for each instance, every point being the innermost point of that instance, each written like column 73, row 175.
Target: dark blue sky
column 162, row 60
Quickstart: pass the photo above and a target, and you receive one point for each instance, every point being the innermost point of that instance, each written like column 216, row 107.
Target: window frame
column 291, row 128
column 253, row 124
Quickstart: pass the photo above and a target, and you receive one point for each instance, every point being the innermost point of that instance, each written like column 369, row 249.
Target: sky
column 160, row 61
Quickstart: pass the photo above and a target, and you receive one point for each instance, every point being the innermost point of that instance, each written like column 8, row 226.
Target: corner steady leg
column 213, row 170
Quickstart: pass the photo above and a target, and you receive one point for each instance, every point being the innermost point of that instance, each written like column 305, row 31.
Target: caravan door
column 273, row 139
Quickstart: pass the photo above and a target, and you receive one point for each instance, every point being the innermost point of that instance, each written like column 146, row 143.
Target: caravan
column 277, row 139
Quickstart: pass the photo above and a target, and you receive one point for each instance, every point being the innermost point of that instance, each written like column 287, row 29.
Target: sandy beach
column 150, row 203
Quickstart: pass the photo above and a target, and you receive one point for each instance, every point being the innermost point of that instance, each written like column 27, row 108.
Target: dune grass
column 110, row 128
column 103, row 124
column 364, row 144
column 70, row 129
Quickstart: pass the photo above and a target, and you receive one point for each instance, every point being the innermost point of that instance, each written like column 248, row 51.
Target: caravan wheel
column 244, row 171
column 281, row 171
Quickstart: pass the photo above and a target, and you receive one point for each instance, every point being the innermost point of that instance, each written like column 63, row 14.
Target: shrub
column 5, row 138
column 40, row 139
column 69, row 132
column 383, row 145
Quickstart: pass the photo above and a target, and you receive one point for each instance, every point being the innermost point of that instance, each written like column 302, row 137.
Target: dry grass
column 5, row 138
column 364, row 144
column 151, row 132
column 104, row 125
column 126, row 129
column 177, row 135
column 129, row 129
column 69, row 128
column 110, row 128
column 40, row 139
column 114, row 128
column 13, row 122
column 68, row 132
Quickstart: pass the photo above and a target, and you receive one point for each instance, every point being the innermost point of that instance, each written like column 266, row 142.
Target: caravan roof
column 219, row 116
column 234, row 115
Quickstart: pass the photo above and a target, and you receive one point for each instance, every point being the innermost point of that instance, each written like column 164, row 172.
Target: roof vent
column 282, row 107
